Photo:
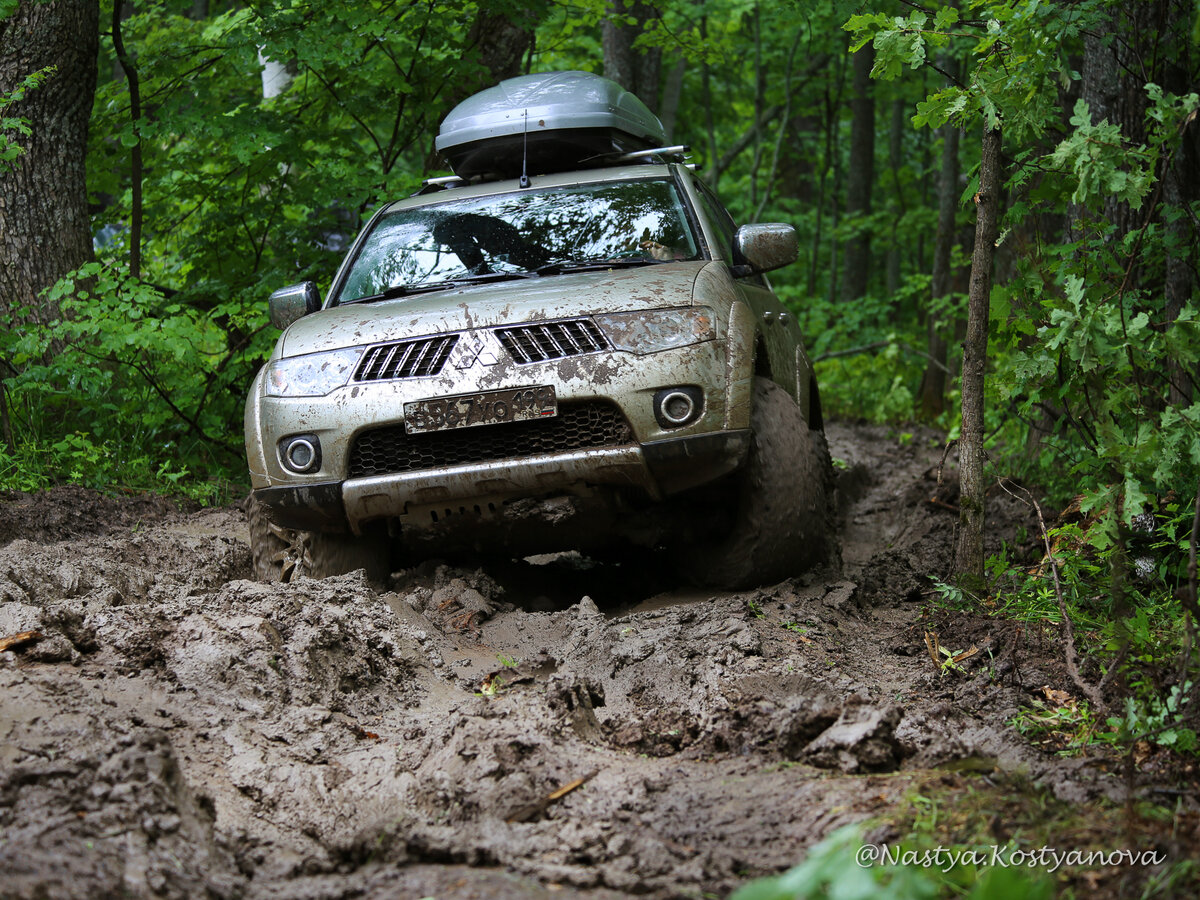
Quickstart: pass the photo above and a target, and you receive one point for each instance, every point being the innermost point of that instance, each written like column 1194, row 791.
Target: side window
column 719, row 217
column 723, row 222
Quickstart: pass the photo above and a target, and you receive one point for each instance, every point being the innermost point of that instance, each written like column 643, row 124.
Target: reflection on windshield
column 522, row 232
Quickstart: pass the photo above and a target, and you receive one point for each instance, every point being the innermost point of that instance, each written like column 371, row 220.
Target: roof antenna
column 525, row 154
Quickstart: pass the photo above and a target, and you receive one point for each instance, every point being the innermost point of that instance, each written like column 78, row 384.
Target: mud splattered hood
column 481, row 306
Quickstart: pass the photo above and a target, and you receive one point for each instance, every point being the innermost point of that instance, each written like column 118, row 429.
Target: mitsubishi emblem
column 472, row 350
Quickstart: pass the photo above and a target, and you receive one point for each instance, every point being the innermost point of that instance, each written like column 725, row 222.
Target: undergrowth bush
column 116, row 386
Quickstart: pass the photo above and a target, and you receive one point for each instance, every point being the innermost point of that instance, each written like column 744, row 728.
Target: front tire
column 781, row 524
column 281, row 554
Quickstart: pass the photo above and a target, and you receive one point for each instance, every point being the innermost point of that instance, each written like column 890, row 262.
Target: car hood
column 488, row 305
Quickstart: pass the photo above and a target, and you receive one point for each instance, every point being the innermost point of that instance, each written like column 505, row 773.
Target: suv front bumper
column 657, row 468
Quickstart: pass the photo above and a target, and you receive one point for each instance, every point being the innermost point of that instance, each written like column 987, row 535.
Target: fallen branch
column 853, row 351
column 942, row 463
column 19, row 640
column 880, row 345
column 525, row 813
column 931, row 644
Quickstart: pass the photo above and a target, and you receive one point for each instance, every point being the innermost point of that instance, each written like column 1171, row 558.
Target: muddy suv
column 583, row 357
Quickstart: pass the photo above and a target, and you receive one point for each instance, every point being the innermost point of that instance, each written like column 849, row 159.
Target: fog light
column 679, row 406
column 300, row 453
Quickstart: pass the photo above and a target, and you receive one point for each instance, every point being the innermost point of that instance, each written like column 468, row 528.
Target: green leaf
column 894, row 49
column 945, row 18
column 940, row 107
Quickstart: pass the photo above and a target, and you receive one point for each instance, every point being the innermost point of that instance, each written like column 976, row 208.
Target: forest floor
column 174, row 729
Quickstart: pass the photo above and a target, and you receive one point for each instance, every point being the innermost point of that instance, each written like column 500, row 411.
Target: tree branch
column 135, row 162
column 769, row 115
column 1068, row 628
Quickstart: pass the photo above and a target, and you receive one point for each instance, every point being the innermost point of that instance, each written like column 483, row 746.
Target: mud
column 559, row 728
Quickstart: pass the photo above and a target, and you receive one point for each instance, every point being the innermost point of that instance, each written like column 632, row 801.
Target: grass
column 994, row 837
column 110, row 468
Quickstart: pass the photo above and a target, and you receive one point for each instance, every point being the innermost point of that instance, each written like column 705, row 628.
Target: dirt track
column 181, row 731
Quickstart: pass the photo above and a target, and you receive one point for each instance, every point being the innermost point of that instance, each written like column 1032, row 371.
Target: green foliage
column 1066, row 729
column 1018, row 49
column 124, row 387
column 242, row 194
column 1084, row 342
column 110, row 466
column 17, row 125
column 842, row 867
column 1144, row 631
column 1158, row 719
column 875, row 387
column 829, row 871
column 1101, row 164
column 1100, row 354
column 879, row 381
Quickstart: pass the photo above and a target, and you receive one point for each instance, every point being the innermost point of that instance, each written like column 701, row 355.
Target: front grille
column 538, row 342
column 587, row 425
column 405, row 359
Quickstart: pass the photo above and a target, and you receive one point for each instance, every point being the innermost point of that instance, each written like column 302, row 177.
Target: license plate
column 489, row 408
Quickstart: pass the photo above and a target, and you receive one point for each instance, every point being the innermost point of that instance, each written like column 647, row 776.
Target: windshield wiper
column 595, row 265
column 402, row 290
column 487, row 277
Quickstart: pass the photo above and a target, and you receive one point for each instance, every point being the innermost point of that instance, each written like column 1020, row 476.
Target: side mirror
column 761, row 248
column 288, row 304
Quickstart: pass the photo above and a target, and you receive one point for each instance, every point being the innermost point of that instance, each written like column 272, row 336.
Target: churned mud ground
column 169, row 728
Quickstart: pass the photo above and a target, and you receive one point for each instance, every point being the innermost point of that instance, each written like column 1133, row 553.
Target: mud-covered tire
column 782, row 523
column 284, row 554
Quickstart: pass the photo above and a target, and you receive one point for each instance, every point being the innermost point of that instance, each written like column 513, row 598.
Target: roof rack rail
column 675, row 153
column 443, row 181
column 440, row 183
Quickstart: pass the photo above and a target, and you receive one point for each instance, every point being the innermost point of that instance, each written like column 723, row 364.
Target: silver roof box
column 551, row 122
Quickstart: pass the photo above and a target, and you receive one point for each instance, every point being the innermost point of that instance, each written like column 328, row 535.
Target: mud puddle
column 559, row 728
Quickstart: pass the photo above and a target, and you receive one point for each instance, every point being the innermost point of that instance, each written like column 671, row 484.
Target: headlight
column 313, row 375
column 658, row 329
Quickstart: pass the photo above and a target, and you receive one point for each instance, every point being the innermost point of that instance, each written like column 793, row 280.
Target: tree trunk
column 672, row 94
column 635, row 70
column 860, row 179
column 710, row 130
column 899, row 128
column 43, row 193
column 135, row 152
column 968, row 551
column 502, row 44
column 503, row 41
column 1181, row 191
column 933, row 385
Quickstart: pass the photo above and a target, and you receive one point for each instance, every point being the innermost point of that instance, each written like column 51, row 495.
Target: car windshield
column 521, row 232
